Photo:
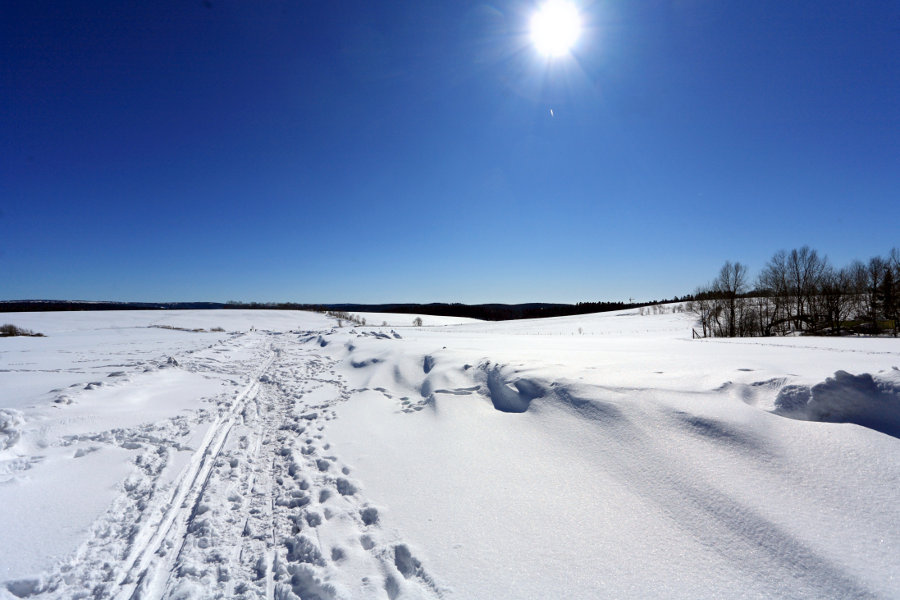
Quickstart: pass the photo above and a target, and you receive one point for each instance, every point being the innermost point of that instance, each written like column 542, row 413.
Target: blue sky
column 334, row 151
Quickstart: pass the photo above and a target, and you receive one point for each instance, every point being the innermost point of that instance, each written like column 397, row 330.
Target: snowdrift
column 863, row 399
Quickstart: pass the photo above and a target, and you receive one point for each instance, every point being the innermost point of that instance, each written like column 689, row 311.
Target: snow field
column 238, row 499
column 629, row 467
column 287, row 458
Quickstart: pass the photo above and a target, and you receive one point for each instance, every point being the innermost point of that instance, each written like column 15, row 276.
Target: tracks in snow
column 152, row 556
column 261, row 509
column 281, row 517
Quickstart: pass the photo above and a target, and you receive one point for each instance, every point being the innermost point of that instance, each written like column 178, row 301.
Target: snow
column 406, row 320
column 605, row 455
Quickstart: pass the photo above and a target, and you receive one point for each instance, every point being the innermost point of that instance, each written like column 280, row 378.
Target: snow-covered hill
column 605, row 455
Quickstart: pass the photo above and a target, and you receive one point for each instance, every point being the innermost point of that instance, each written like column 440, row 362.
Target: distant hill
column 61, row 305
column 486, row 312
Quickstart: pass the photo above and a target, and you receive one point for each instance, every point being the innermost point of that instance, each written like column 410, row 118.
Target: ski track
column 262, row 509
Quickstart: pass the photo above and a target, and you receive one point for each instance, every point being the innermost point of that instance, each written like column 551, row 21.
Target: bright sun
column 555, row 27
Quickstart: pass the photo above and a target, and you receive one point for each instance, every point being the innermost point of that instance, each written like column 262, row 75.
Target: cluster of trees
column 662, row 309
column 342, row 316
column 801, row 292
column 8, row 330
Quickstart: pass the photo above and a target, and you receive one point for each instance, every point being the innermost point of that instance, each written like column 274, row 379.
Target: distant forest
column 796, row 292
column 800, row 292
column 10, row 306
column 487, row 312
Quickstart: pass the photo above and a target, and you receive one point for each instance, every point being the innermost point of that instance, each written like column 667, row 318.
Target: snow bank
column 863, row 399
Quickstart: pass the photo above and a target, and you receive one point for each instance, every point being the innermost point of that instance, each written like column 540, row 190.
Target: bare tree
column 704, row 306
column 876, row 272
column 888, row 299
column 773, row 284
column 835, row 301
column 804, row 271
column 731, row 285
column 857, row 279
column 894, row 259
column 892, row 289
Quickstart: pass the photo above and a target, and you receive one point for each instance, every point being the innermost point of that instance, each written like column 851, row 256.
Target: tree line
column 487, row 312
column 10, row 306
column 490, row 312
column 801, row 292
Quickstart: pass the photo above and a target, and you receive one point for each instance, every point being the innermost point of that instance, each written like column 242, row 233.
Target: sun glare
column 555, row 27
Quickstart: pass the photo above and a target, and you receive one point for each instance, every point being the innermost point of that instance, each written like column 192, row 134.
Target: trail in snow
column 153, row 558
column 262, row 508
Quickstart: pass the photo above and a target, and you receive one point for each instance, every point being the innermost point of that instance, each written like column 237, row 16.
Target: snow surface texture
column 593, row 456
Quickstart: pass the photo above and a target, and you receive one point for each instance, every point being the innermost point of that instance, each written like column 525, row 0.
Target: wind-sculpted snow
column 506, row 396
column 582, row 457
column 872, row 402
column 638, row 487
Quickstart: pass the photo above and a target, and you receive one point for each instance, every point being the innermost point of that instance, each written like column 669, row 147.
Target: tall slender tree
column 731, row 285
